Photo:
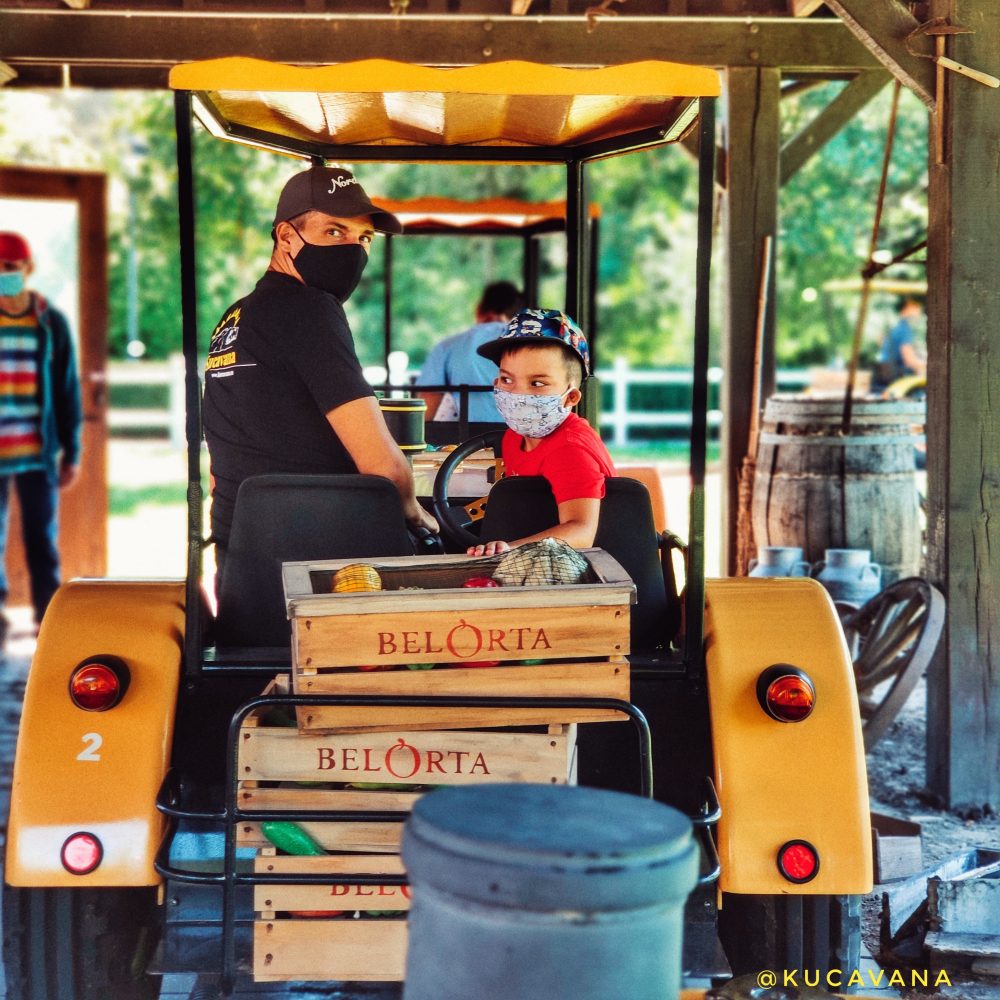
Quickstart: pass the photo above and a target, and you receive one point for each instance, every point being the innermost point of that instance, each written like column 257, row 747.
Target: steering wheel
column 456, row 519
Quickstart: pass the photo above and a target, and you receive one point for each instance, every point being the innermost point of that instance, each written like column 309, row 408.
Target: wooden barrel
column 818, row 488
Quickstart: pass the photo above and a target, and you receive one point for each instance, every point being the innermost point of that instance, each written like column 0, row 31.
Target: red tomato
column 379, row 666
column 480, row 581
column 480, row 663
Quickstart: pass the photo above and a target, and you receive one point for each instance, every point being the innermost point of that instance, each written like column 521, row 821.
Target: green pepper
column 290, row 838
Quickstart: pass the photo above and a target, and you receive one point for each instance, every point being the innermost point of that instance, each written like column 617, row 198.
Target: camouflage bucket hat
column 540, row 326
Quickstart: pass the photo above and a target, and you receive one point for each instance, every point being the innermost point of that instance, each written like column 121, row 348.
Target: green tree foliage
column 827, row 210
column 647, row 228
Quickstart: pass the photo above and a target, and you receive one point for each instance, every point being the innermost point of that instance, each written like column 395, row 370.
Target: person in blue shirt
column 898, row 355
column 454, row 360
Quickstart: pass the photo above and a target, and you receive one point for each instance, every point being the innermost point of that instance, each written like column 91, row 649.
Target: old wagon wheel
column 892, row 638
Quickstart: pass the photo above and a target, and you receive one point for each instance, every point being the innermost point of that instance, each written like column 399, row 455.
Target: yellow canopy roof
column 376, row 102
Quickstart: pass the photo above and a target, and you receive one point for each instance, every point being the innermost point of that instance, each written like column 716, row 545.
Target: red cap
column 14, row 247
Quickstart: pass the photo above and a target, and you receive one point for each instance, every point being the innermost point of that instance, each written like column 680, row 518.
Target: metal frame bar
column 695, row 590
column 529, row 267
column 576, row 244
column 387, row 260
column 192, row 384
column 593, row 267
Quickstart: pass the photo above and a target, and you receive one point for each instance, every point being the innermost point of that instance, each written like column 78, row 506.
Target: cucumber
column 290, row 838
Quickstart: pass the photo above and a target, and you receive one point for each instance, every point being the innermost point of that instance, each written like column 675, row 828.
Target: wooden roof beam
column 134, row 48
column 797, row 151
column 803, row 8
column 881, row 28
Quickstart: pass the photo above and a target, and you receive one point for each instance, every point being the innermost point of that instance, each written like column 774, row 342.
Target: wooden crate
column 269, row 900
column 447, row 757
column 289, row 945
column 343, row 950
column 597, row 679
column 273, row 754
column 583, row 627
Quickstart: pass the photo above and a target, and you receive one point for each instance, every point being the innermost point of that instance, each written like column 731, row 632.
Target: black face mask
column 335, row 269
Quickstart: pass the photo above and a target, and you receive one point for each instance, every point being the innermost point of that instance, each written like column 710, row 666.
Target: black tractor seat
column 286, row 518
column 524, row 505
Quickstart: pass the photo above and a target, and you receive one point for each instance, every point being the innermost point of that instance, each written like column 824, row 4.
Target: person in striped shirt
column 40, row 418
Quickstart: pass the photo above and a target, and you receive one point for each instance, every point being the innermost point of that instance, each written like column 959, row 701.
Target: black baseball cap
column 336, row 192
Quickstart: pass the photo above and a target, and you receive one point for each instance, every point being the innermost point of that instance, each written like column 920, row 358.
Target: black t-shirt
column 280, row 360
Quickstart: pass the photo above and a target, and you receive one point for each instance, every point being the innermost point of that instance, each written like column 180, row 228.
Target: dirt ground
column 897, row 785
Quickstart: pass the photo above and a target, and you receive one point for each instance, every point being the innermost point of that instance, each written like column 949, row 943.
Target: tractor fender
column 98, row 772
column 785, row 781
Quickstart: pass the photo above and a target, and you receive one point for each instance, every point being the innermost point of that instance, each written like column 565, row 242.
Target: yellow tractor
column 126, row 858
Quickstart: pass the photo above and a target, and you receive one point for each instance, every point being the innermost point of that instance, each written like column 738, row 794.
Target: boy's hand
column 488, row 549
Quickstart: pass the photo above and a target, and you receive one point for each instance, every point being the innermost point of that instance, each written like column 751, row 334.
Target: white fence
column 166, row 421
column 619, row 418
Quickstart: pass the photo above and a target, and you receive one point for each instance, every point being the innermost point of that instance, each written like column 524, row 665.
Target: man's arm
column 433, row 401
column 66, row 393
column 912, row 360
column 577, row 527
column 361, row 429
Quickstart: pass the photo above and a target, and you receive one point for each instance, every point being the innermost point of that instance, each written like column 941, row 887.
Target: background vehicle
column 502, row 218
column 98, row 784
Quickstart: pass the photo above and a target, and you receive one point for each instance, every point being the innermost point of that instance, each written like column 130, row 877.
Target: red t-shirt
column 572, row 458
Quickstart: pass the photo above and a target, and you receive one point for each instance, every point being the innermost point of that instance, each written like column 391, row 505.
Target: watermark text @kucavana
column 837, row 979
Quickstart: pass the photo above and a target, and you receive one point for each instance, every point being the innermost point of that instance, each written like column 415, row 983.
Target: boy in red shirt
column 543, row 359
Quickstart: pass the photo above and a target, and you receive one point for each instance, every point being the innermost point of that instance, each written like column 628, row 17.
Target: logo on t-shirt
column 221, row 353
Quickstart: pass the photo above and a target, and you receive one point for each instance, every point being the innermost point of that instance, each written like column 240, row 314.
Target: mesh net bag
column 542, row 563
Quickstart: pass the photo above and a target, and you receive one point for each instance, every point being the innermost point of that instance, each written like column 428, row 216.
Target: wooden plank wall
column 964, row 422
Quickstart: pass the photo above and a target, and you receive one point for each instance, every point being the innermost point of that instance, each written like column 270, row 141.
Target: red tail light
column 798, row 861
column 81, row 853
column 99, row 683
column 786, row 693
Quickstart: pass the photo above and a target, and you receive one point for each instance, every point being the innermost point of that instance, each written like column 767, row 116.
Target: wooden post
column 751, row 143
column 963, row 732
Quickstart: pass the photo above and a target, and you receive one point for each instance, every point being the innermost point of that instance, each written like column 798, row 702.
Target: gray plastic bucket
column 540, row 892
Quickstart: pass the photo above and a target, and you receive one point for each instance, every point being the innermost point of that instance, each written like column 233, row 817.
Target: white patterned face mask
column 529, row 415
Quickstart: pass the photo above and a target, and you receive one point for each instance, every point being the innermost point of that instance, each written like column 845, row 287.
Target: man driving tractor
column 284, row 391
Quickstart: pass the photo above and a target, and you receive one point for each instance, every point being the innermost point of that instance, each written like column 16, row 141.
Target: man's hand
column 68, row 474
column 488, row 549
column 421, row 519
column 433, row 401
